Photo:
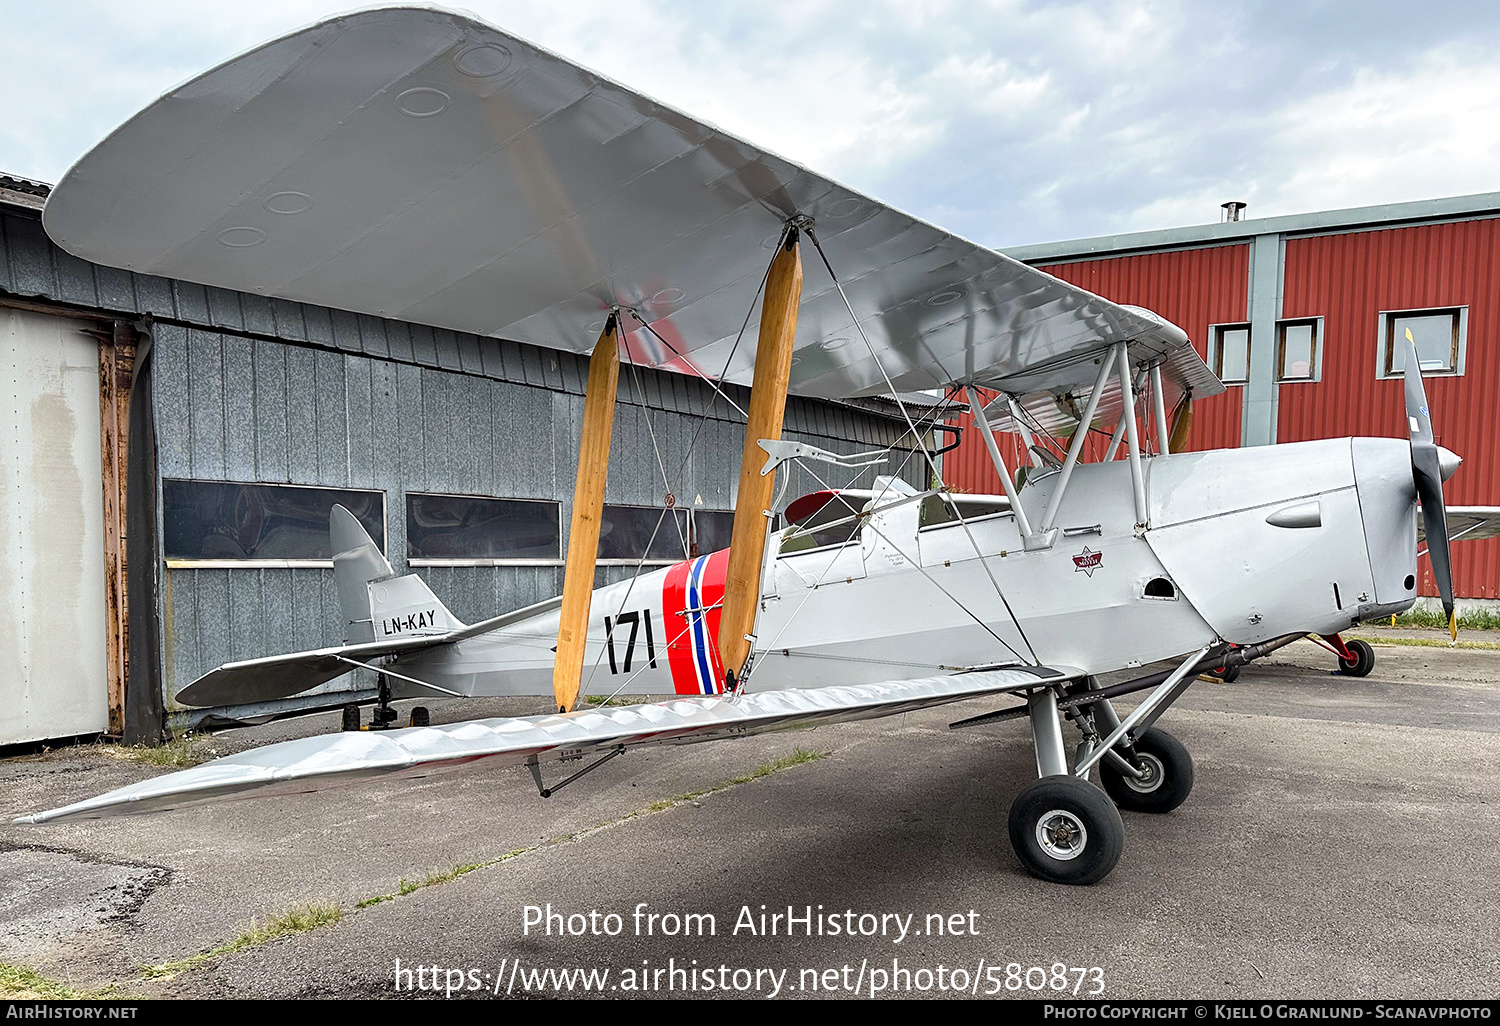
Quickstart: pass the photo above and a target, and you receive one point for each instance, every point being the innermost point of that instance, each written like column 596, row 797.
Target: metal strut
column 547, row 792
column 1146, row 713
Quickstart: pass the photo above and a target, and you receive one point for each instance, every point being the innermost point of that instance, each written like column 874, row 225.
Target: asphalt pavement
column 1341, row 841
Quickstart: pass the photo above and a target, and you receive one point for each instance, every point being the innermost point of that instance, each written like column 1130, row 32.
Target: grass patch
column 183, row 751
column 296, row 920
column 22, row 983
column 1427, row 642
column 600, row 701
column 765, row 769
column 1475, row 620
column 435, row 877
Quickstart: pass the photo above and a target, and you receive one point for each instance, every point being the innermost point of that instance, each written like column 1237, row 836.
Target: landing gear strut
column 1064, row 828
column 382, row 717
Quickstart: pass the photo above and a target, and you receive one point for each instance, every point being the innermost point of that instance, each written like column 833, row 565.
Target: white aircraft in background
column 416, row 164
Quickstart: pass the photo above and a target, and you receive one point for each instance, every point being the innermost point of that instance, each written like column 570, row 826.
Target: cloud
column 1008, row 121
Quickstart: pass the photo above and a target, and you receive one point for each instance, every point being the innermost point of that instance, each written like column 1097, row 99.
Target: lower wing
column 311, row 763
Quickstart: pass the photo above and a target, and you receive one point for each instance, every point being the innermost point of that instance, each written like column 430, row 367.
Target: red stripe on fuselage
column 679, row 640
column 714, row 575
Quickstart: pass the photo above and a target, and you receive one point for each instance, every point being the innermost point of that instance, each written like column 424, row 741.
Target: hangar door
column 52, row 610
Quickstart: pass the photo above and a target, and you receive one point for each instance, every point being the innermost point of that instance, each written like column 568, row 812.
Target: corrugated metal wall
column 249, row 389
column 1348, row 279
column 1192, row 288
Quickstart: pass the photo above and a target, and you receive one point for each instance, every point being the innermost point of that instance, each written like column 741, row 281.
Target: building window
column 259, row 524
column 1440, row 336
column 1229, row 352
column 1298, row 355
column 473, row 530
column 653, row 534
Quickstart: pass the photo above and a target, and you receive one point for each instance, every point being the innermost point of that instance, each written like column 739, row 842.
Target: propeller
column 1429, row 461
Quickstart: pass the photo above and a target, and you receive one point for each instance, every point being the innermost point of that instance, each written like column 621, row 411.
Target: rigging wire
column 912, row 428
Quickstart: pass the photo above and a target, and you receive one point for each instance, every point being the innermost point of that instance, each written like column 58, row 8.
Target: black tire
column 1060, row 813
column 1228, row 674
column 351, row 717
column 1364, row 659
column 420, row 716
column 1169, row 775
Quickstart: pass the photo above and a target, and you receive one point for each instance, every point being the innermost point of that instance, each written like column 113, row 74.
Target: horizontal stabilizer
column 264, row 680
column 308, row 763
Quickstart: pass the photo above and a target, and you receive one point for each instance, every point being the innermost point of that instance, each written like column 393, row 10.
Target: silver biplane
column 419, row 165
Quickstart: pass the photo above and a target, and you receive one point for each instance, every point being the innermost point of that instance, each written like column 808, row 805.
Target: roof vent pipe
column 1234, row 210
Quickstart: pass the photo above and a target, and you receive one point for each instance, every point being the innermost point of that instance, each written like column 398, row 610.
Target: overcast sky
column 1009, row 122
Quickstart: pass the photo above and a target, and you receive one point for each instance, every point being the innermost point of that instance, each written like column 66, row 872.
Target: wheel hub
column 1152, row 774
column 1061, row 835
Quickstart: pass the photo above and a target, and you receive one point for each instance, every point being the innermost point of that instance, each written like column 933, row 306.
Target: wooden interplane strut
column 773, row 369
column 588, row 511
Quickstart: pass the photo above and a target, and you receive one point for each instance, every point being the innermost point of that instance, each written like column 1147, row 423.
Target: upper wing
column 308, row 763
column 1469, row 523
column 420, row 165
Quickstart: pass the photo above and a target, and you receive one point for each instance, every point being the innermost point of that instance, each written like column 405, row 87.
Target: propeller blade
column 1427, row 475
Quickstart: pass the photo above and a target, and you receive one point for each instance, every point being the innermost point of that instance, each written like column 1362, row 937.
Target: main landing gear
column 1065, row 828
column 1068, row 830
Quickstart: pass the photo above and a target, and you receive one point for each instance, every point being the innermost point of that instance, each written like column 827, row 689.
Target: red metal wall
column 1348, row 280
column 1191, row 288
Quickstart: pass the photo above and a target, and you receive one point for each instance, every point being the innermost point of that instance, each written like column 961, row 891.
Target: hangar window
column 632, row 534
column 474, row 530
column 1299, row 355
column 238, row 524
column 1440, row 336
column 1229, row 354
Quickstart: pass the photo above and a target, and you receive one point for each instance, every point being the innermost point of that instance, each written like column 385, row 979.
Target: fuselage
column 1240, row 545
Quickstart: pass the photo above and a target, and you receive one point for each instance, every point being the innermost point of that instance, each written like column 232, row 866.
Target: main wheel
column 1364, row 659
column 351, row 717
column 1228, row 674
column 1066, row 830
column 1166, row 775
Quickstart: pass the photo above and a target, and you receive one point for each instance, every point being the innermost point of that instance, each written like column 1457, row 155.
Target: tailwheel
column 1066, row 830
column 1165, row 775
column 1363, row 662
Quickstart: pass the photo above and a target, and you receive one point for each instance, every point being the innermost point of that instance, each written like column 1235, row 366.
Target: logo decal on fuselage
column 1087, row 561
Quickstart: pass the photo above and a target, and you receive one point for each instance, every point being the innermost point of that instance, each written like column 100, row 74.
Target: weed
column 1442, row 642
column 1474, row 620
column 181, row 752
column 296, row 920
column 22, row 983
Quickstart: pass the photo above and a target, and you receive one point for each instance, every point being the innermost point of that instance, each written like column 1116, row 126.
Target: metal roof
column 23, row 192
column 1386, row 214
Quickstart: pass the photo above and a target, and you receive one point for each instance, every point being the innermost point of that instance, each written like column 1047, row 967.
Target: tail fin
column 356, row 562
column 377, row 605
